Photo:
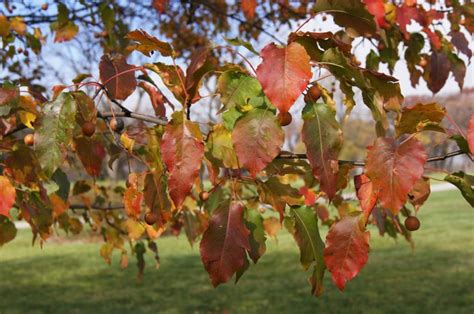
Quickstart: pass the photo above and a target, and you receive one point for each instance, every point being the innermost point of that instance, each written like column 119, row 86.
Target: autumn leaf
column 365, row 193
column 394, row 170
column 91, row 153
column 254, row 222
column 182, row 150
column 420, row 117
column 257, row 139
column 219, row 148
column 156, row 197
column 237, row 89
column 147, row 43
column 306, row 234
column 351, row 14
column 377, row 9
column 225, row 242
column 156, row 97
column 470, row 134
column 278, row 194
column 420, row 192
column 64, row 32
column 438, row 71
column 171, row 76
column 160, row 5
column 322, row 137
column 200, row 65
column 465, row 183
column 7, row 196
column 347, row 249
column 132, row 201
column 54, row 132
column 284, row 73
column 248, row 7
column 117, row 76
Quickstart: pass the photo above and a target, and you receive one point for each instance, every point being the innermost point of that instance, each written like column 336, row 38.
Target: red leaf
column 183, row 149
column 132, row 200
column 405, row 15
column 309, row 196
column 224, row 243
column 7, row 196
column 249, row 6
column 394, row 169
column 347, row 250
column 257, row 139
column 284, row 73
column 470, row 134
column 113, row 74
column 365, row 194
column 156, row 97
column 91, row 152
column 377, row 9
column 438, row 71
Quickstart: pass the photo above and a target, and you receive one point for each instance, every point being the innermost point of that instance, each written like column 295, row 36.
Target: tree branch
column 362, row 164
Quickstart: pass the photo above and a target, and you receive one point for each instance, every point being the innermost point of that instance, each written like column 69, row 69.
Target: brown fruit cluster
column 313, row 94
column 285, row 118
column 116, row 125
column 412, row 223
column 29, row 139
column 88, row 129
column 151, row 218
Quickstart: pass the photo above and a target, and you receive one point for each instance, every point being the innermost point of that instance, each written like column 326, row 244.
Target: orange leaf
column 470, row 134
column 132, row 200
column 248, row 7
column 7, row 196
column 117, row 76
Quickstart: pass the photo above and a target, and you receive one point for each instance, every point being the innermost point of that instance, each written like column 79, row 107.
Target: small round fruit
column 151, row 218
column 204, row 196
column 44, row 6
column 412, row 223
column 313, row 94
column 88, row 129
column 285, row 118
column 29, row 139
column 117, row 125
column 325, row 18
column 423, row 62
column 381, row 46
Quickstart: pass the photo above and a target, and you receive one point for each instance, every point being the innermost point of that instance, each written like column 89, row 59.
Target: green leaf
column 54, row 132
column 322, row 137
column 464, row 182
column 237, row 89
column 351, row 14
column 219, row 148
column 278, row 194
column 239, row 42
column 63, row 183
column 254, row 222
column 306, row 234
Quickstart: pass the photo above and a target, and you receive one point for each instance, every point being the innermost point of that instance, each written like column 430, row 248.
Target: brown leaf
column 117, row 76
column 160, row 5
column 148, row 43
column 347, row 250
column 225, row 242
column 394, row 170
column 438, row 71
column 284, row 73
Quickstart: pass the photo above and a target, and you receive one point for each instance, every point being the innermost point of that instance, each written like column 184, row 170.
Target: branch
column 133, row 115
column 96, row 207
column 362, row 164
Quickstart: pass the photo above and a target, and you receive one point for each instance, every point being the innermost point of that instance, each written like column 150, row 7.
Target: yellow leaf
column 390, row 12
column 18, row 25
column 127, row 141
column 134, row 228
column 27, row 118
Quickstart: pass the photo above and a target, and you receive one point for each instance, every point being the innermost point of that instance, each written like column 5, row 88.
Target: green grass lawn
column 437, row 278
